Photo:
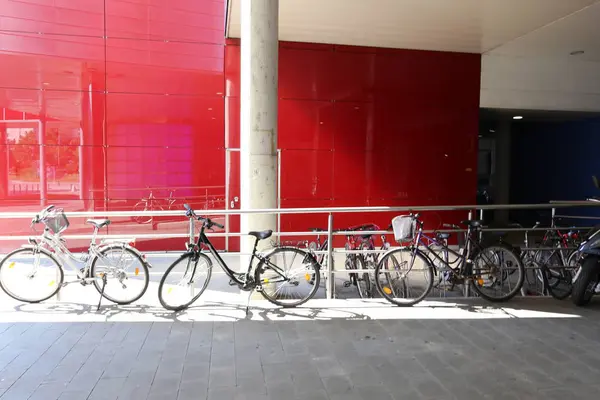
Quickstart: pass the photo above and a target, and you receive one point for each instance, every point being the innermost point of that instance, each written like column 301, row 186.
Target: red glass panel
column 51, row 62
column 146, row 66
column 59, row 17
column 184, row 20
column 173, row 121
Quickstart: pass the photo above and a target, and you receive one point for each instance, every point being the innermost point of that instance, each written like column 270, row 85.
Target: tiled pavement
column 529, row 349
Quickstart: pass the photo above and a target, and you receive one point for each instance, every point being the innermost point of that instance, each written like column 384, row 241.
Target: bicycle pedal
column 347, row 284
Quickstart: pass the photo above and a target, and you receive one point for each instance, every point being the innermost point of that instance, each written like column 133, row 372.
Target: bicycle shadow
column 214, row 310
column 517, row 308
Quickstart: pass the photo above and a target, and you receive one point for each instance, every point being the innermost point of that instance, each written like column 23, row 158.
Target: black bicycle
column 490, row 270
column 187, row 278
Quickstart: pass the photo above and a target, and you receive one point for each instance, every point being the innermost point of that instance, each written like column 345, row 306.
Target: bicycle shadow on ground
column 210, row 311
column 466, row 309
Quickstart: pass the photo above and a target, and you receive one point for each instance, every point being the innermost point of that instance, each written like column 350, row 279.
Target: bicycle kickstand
column 248, row 301
column 102, row 291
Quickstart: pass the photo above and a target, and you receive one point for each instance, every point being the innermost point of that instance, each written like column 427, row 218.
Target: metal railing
column 329, row 212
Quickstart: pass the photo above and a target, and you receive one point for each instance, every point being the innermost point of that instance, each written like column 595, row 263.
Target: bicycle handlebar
column 205, row 220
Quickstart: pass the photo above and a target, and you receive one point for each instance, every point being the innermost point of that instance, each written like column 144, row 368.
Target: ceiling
column 526, row 44
column 472, row 26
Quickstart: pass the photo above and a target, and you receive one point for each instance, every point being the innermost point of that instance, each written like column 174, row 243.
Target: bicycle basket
column 404, row 227
column 56, row 221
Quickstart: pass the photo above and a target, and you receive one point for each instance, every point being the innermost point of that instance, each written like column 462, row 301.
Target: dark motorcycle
column 586, row 280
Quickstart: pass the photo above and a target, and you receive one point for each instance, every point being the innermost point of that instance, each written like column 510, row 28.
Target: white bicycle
column 34, row 272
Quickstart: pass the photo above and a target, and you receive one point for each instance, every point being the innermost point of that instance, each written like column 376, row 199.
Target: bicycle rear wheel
column 146, row 206
column 30, row 275
column 393, row 281
column 288, row 276
column 184, row 281
column 562, row 284
column 126, row 274
column 498, row 273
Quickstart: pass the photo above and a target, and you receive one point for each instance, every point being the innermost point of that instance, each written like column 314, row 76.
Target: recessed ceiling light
column 518, row 117
column 577, row 52
column 491, row 130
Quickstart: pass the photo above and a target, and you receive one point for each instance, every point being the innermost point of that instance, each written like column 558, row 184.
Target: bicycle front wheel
column 184, row 281
column 121, row 276
column 404, row 276
column 30, row 275
column 288, row 276
column 361, row 279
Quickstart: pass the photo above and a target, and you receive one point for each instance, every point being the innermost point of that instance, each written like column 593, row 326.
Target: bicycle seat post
column 252, row 258
column 94, row 235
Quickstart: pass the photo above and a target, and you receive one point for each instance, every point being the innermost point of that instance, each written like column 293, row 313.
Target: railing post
column 466, row 289
column 481, row 219
column 330, row 278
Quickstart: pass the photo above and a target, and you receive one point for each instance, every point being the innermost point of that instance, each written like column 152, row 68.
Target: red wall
column 370, row 127
column 131, row 95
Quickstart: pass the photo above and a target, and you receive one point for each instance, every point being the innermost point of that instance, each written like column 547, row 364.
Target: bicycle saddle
column 262, row 234
column 98, row 223
column 473, row 223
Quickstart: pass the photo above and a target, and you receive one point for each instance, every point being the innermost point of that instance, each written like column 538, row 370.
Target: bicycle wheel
column 393, row 282
column 584, row 287
column 362, row 279
column 495, row 267
column 30, row 275
column 146, row 206
column 184, row 281
column 278, row 268
column 125, row 271
column 563, row 285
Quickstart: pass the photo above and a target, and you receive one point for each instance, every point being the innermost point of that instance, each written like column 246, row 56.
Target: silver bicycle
column 34, row 272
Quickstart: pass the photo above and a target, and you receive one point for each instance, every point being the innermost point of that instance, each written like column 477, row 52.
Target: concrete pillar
column 258, row 107
column 501, row 177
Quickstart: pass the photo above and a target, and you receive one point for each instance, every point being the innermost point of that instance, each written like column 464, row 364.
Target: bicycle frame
column 65, row 256
column 462, row 256
column 234, row 276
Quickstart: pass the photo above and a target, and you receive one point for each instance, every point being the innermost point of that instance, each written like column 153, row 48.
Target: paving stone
column 274, row 358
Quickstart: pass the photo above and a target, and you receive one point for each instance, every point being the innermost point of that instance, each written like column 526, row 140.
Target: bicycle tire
column 553, row 289
column 171, row 268
column 315, row 276
column 143, row 206
column 388, row 296
column 58, row 282
column 587, row 279
column 364, row 288
column 520, row 269
column 98, row 286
